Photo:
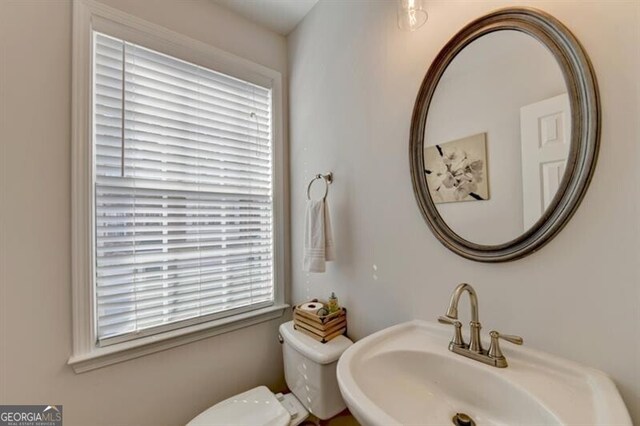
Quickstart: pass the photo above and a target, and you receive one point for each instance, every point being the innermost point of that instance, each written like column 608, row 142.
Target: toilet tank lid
column 322, row 353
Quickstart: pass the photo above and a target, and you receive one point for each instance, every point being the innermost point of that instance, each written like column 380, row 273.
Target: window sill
column 102, row 357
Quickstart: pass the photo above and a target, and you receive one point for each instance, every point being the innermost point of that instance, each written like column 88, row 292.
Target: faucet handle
column 494, row 348
column 516, row 340
column 447, row 320
column 457, row 337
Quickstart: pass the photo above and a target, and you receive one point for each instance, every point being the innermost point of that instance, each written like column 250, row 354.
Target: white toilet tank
column 310, row 370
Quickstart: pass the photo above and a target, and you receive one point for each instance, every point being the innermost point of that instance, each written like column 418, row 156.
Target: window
column 183, row 194
column 178, row 229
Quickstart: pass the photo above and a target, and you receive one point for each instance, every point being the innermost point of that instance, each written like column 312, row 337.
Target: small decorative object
column 322, row 312
column 333, row 305
column 457, row 170
column 321, row 325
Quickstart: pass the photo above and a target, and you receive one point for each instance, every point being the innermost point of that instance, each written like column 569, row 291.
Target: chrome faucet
column 474, row 350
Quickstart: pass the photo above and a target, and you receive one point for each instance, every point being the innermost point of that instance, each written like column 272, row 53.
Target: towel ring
column 328, row 179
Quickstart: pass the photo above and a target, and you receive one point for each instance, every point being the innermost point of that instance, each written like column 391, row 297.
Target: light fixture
column 411, row 14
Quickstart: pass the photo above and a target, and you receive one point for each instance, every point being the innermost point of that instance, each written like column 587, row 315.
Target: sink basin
column 406, row 375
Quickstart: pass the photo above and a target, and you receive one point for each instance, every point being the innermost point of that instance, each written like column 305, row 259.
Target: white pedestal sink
column 405, row 375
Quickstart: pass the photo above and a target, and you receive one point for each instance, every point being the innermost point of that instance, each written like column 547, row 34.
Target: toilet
column 310, row 373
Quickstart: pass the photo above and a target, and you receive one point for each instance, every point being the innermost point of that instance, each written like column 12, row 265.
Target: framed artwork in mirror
column 457, row 170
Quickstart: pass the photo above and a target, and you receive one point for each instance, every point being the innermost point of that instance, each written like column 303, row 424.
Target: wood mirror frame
column 585, row 131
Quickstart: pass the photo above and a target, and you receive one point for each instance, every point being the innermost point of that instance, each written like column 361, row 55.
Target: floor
column 343, row 419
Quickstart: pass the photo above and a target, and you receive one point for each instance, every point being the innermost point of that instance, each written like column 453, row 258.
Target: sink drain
column 461, row 419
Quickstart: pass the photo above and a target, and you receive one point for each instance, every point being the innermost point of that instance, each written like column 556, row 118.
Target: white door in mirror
column 545, row 129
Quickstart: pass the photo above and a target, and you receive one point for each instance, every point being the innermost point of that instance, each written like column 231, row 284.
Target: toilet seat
column 258, row 406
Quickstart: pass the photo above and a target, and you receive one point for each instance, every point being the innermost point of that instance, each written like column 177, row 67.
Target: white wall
column 353, row 81
column 167, row 388
column 482, row 91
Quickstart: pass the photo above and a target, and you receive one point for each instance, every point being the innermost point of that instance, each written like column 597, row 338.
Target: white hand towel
column 318, row 238
column 329, row 248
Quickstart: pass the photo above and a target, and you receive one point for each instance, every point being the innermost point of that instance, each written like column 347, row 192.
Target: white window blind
column 183, row 192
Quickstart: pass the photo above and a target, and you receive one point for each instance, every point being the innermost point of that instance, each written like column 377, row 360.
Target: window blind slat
column 195, row 81
column 162, row 62
column 172, row 186
column 111, row 158
column 132, row 246
column 124, row 199
column 231, row 300
column 140, row 257
column 120, row 271
column 195, row 236
column 147, row 194
column 181, row 289
column 150, row 110
column 179, row 296
column 151, row 282
column 137, row 141
column 141, row 309
column 111, row 48
column 109, row 85
column 217, row 95
column 230, row 303
column 159, row 172
column 156, row 125
column 161, row 136
column 183, row 192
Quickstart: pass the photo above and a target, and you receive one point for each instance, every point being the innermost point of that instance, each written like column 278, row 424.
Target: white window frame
column 89, row 16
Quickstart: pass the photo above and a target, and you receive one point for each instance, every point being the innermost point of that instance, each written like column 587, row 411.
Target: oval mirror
column 505, row 135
